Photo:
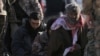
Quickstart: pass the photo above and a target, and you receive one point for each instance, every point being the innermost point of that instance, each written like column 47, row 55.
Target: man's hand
column 75, row 47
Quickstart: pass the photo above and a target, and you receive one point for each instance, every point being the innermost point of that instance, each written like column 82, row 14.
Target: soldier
column 23, row 8
column 19, row 11
column 91, row 8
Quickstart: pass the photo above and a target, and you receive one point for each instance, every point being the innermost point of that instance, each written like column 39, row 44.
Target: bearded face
column 72, row 13
column 72, row 18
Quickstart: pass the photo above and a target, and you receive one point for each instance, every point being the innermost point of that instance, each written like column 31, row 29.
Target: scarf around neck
column 61, row 22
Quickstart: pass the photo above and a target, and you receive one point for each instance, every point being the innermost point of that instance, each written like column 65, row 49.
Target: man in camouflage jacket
column 92, row 9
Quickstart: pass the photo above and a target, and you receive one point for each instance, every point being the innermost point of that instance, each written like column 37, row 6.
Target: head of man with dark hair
column 35, row 20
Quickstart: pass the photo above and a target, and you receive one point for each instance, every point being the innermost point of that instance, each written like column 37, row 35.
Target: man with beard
column 66, row 37
column 23, row 38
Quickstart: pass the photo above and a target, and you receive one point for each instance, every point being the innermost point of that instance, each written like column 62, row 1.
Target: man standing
column 91, row 8
column 23, row 8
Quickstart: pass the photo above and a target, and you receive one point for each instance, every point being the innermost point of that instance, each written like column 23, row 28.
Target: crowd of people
column 57, row 29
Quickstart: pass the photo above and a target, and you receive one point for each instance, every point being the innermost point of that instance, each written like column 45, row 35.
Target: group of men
column 64, row 35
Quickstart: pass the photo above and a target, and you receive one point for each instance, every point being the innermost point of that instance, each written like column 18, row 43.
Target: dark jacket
column 61, row 39
column 22, row 40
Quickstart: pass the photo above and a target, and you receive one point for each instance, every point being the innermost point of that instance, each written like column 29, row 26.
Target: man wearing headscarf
column 66, row 36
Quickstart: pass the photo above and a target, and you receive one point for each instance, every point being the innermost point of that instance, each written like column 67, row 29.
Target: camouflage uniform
column 92, row 8
column 28, row 6
column 40, row 44
column 89, row 49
